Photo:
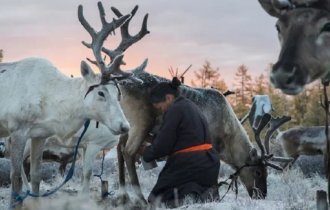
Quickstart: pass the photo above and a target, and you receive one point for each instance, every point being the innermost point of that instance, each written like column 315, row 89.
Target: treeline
column 305, row 109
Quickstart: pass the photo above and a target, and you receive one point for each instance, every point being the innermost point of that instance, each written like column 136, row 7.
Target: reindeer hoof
column 139, row 203
column 122, row 199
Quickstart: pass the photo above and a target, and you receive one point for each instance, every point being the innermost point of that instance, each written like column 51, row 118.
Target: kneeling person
column 192, row 165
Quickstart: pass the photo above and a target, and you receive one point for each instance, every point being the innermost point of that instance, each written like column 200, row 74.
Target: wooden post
column 104, row 189
column 326, row 82
column 321, row 200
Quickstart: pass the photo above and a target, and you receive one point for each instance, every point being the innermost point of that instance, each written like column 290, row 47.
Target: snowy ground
column 288, row 190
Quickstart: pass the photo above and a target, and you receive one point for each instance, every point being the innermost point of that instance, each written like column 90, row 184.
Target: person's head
column 163, row 94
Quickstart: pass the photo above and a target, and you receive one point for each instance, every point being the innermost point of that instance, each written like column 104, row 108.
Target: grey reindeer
column 304, row 33
column 227, row 134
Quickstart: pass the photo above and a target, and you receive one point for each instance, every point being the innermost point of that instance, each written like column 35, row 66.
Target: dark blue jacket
column 183, row 126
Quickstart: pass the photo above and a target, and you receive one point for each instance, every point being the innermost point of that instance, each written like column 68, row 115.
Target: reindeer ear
column 275, row 7
column 87, row 72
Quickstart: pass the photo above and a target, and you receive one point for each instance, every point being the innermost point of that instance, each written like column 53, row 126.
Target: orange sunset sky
column 225, row 32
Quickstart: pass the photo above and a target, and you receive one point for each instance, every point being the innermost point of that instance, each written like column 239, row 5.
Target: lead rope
column 19, row 198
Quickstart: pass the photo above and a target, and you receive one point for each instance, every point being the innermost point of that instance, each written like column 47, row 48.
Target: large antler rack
column 116, row 57
column 127, row 40
column 274, row 124
column 264, row 156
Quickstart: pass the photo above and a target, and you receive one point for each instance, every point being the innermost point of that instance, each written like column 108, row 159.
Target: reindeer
column 303, row 28
column 227, row 134
column 53, row 150
column 98, row 137
column 303, row 141
column 39, row 102
column 61, row 150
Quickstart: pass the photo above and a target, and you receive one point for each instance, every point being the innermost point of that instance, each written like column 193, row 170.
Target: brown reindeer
column 303, row 28
column 227, row 134
column 303, row 141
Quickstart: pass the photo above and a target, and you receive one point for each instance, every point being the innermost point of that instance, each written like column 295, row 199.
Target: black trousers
column 194, row 174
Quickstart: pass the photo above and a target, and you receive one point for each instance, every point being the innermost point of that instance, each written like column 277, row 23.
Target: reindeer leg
column 18, row 141
column 37, row 146
column 26, row 167
column 129, row 157
column 325, row 160
column 27, row 160
column 89, row 156
column 130, row 163
column 130, row 152
column 123, row 198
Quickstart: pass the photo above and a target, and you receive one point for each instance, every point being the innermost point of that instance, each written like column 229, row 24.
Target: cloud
column 227, row 33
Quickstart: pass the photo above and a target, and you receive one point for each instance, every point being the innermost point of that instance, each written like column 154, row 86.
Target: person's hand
column 142, row 147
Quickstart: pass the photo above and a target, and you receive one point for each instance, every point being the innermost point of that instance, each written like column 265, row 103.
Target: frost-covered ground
column 288, row 190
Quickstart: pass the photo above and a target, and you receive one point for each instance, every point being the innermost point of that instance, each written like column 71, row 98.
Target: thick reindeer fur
column 37, row 102
column 227, row 134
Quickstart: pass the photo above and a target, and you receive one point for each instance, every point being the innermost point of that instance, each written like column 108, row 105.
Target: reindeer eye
column 257, row 173
column 101, row 94
column 326, row 27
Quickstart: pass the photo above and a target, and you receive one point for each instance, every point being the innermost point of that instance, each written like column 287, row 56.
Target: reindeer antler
column 274, row 124
column 185, row 71
column 266, row 118
column 176, row 73
column 99, row 37
column 127, row 40
column 263, row 122
column 116, row 58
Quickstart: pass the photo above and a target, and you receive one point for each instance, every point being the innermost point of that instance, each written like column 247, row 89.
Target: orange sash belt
column 195, row 148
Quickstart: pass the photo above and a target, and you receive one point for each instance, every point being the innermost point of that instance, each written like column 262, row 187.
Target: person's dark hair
column 158, row 93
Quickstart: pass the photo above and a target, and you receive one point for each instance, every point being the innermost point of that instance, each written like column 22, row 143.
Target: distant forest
column 305, row 109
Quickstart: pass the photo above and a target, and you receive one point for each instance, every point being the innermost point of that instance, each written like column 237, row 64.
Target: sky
column 227, row 33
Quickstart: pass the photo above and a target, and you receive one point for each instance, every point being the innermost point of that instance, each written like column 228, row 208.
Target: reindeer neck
column 238, row 150
column 69, row 114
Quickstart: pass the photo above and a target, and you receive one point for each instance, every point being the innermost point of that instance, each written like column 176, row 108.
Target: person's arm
column 165, row 140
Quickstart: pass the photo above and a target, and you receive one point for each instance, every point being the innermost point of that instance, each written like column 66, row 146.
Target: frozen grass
column 287, row 190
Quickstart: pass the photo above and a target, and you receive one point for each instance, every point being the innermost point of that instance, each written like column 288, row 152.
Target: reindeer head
column 101, row 102
column 304, row 32
column 257, row 164
column 104, row 89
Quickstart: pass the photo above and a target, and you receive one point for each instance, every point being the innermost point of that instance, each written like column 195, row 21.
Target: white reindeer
column 96, row 139
column 41, row 102
column 38, row 101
